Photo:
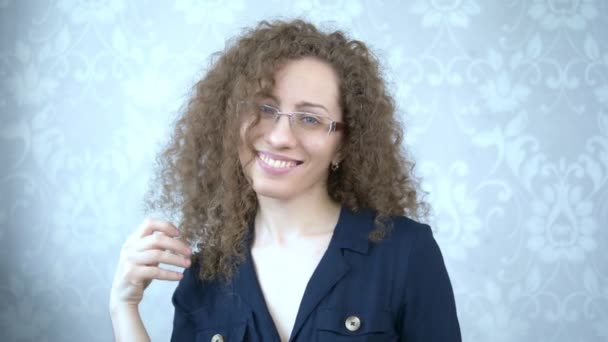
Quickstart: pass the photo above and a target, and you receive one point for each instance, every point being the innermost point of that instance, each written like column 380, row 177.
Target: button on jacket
column 397, row 289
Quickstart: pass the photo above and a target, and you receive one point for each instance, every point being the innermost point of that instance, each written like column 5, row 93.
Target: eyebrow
column 310, row 104
column 301, row 103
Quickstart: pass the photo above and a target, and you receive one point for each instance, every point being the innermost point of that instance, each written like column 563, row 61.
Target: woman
column 288, row 174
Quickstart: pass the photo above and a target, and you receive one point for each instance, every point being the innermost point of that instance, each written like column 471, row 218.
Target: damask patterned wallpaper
column 506, row 107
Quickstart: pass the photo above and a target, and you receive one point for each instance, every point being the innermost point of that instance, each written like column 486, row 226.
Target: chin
column 273, row 192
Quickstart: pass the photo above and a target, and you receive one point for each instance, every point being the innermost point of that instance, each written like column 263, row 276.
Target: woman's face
column 288, row 161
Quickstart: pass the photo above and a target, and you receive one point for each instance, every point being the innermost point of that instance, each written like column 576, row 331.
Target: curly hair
column 200, row 179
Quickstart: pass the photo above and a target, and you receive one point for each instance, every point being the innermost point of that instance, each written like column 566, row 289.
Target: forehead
column 308, row 80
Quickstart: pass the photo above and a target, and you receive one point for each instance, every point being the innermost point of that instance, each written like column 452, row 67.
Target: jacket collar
column 353, row 229
column 351, row 233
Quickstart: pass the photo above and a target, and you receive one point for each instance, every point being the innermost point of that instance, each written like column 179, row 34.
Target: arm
column 138, row 265
column 429, row 311
column 128, row 325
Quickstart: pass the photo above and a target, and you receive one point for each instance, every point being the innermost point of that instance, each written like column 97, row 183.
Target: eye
column 309, row 119
column 267, row 110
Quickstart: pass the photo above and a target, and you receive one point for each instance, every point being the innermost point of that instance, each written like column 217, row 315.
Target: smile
column 276, row 166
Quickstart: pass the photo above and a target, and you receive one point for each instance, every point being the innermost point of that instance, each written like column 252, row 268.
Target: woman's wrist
column 127, row 323
column 120, row 308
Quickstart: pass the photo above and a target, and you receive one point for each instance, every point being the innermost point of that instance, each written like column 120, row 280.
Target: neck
column 279, row 221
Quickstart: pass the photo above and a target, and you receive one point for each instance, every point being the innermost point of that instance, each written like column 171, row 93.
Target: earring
column 335, row 166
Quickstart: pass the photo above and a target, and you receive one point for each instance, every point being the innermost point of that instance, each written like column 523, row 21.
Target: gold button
column 352, row 323
column 217, row 338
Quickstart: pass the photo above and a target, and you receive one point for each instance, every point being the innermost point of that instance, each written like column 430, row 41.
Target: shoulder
column 404, row 226
column 418, row 253
column 402, row 233
column 189, row 295
column 410, row 246
column 405, row 234
column 187, row 288
column 406, row 260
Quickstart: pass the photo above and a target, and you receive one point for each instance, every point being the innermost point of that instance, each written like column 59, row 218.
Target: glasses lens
column 311, row 125
column 267, row 112
column 305, row 125
column 308, row 121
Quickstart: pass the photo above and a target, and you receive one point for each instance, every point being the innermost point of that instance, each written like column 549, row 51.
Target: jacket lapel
column 245, row 284
column 350, row 233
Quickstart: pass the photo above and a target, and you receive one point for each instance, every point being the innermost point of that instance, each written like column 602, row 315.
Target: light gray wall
column 507, row 116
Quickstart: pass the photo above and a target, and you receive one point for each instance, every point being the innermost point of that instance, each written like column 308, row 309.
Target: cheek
column 246, row 155
column 242, row 131
column 242, row 148
column 248, row 129
column 323, row 152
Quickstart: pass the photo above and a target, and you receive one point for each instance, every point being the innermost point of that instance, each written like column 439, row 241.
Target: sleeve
column 184, row 329
column 429, row 311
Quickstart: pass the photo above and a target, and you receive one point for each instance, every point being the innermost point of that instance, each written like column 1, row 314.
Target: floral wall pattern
column 506, row 112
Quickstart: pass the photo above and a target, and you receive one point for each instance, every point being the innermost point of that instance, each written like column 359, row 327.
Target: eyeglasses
column 302, row 123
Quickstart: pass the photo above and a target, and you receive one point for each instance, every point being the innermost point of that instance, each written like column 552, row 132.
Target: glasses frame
column 334, row 126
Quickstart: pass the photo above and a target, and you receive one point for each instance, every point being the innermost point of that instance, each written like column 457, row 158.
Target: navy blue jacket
column 397, row 290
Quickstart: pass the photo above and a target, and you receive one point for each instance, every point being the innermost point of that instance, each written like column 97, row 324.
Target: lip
column 278, row 157
column 272, row 170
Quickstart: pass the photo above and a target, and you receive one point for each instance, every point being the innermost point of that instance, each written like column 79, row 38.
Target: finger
column 153, row 257
column 163, row 242
column 153, row 272
column 150, row 225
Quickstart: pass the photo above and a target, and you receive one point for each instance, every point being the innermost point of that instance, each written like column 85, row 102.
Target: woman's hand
column 152, row 243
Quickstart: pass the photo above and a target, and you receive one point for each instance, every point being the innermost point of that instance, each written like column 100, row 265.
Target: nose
column 280, row 133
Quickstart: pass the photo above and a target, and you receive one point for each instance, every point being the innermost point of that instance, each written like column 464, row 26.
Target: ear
column 338, row 157
column 339, row 154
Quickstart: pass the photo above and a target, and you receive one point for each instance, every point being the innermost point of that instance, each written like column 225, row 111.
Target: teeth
column 278, row 164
